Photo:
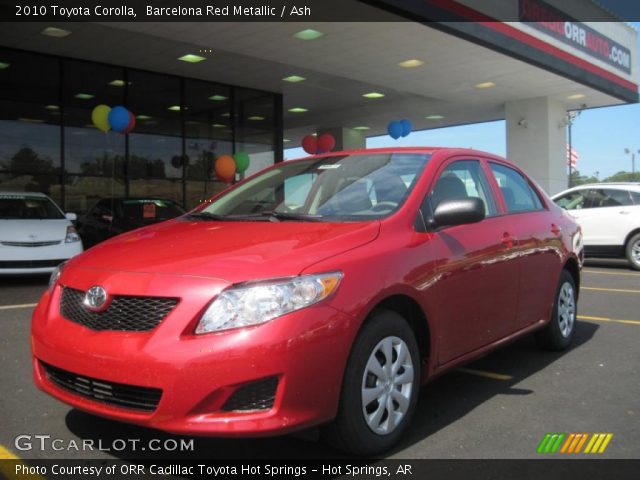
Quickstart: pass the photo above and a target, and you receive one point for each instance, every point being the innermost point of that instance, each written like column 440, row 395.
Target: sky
column 599, row 136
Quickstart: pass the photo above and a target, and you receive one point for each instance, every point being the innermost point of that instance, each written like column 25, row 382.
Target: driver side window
column 463, row 179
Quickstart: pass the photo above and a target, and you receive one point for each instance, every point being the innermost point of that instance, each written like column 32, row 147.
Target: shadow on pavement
column 617, row 263
column 441, row 403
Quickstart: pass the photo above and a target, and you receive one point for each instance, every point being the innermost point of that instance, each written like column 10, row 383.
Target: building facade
column 49, row 144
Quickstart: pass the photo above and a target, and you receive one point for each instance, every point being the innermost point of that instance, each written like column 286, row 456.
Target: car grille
column 31, row 263
column 31, row 244
column 258, row 395
column 118, row 394
column 124, row 313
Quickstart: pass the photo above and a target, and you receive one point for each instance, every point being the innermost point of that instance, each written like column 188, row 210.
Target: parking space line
column 8, row 469
column 482, row 373
column 605, row 319
column 613, row 273
column 13, row 307
column 619, row 290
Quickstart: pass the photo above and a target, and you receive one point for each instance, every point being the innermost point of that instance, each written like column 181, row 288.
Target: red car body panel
column 477, row 286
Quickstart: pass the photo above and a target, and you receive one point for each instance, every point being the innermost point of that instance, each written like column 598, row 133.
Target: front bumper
column 306, row 351
column 31, row 260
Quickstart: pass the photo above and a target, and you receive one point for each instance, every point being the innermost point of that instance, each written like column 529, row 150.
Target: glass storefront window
column 255, row 128
column 82, row 192
column 155, row 146
column 49, row 144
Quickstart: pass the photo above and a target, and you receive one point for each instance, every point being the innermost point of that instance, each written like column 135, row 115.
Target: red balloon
column 310, row 144
column 132, row 123
column 326, row 142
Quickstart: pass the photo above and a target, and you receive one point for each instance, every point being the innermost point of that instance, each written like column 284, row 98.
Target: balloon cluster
column 322, row 144
column 399, row 128
column 226, row 166
column 118, row 119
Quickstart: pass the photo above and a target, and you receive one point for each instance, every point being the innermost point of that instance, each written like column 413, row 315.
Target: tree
column 578, row 179
column 623, row 176
column 27, row 160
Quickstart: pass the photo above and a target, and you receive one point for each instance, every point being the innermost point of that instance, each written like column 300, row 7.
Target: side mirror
column 458, row 211
column 71, row 216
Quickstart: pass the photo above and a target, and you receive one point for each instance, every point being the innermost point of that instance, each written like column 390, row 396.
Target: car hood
column 33, row 230
column 233, row 251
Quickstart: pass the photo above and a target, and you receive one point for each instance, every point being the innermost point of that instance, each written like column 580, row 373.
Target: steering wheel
column 384, row 206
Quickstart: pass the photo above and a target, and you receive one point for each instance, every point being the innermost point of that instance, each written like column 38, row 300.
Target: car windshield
column 147, row 210
column 26, row 207
column 333, row 188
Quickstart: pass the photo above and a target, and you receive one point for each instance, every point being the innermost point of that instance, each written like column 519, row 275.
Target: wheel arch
column 631, row 234
column 409, row 308
column 573, row 267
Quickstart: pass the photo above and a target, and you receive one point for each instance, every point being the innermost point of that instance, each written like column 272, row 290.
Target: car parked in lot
column 323, row 291
column 609, row 214
column 112, row 216
column 35, row 234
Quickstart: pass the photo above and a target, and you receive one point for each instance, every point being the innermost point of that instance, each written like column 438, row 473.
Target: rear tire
column 558, row 333
column 632, row 251
column 380, row 387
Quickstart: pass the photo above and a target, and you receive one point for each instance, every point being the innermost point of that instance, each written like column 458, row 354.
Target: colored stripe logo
column 574, row 443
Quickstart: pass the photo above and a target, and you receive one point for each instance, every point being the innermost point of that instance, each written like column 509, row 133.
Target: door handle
column 624, row 212
column 507, row 240
column 556, row 230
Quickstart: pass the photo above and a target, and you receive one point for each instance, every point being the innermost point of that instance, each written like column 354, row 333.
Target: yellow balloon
column 100, row 117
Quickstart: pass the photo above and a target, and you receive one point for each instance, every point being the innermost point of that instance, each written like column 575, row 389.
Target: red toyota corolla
column 321, row 291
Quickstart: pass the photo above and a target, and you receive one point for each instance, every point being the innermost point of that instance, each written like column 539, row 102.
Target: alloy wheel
column 566, row 309
column 387, row 384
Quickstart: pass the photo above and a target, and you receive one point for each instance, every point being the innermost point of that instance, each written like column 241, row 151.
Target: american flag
column 572, row 157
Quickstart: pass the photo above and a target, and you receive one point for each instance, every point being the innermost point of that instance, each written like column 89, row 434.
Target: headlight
column 256, row 303
column 72, row 235
column 55, row 275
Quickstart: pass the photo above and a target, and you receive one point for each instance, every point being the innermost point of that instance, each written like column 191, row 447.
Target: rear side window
column 518, row 195
column 610, row 197
column 635, row 196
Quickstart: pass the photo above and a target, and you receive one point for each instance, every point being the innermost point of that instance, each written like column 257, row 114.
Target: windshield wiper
column 226, row 218
column 305, row 217
column 260, row 216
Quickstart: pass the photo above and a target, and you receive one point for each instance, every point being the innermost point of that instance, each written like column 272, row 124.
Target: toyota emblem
column 96, row 298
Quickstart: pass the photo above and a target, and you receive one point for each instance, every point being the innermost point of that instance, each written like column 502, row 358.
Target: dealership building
column 199, row 90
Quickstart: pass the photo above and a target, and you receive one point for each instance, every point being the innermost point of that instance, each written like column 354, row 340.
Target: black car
column 113, row 216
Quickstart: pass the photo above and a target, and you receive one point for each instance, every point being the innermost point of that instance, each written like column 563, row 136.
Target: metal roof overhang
column 352, row 58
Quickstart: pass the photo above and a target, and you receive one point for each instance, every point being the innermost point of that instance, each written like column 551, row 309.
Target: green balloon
column 242, row 161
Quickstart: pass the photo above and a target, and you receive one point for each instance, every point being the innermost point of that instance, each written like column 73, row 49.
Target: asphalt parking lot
column 501, row 406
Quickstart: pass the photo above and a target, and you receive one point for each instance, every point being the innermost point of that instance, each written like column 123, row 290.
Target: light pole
column 633, row 161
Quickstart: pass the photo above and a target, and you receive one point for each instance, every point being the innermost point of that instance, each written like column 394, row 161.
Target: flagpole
column 571, row 117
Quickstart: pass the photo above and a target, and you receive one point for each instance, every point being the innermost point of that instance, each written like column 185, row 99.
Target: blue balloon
column 119, row 119
column 394, row 129
column 406, row 127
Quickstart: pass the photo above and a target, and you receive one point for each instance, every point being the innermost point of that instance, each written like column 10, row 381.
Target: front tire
column 558, row 333
column 632, row 251
column 380, row 387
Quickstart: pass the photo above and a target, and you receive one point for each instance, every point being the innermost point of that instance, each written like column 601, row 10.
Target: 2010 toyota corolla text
column 318, row 292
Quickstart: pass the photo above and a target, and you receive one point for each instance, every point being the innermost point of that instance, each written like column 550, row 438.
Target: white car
column 35, row 234
column 609, row 214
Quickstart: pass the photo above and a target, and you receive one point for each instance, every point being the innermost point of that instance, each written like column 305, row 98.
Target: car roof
column 425, row 149
column 30, row 194
column 119, row 199
column 635, row 186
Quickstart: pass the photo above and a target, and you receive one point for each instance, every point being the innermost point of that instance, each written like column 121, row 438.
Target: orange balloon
column 225, row 168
